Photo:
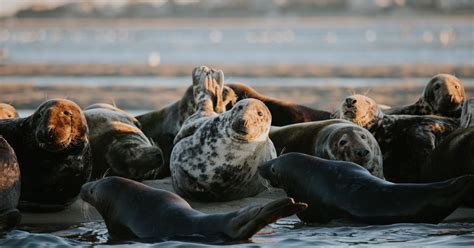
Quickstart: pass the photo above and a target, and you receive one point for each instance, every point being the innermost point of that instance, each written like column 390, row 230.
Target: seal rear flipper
column 9, row 219
column 250, row 220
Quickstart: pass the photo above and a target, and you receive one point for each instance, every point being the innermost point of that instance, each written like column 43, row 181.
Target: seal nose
column 350, row 101
column 239, row 126
column 362, row 153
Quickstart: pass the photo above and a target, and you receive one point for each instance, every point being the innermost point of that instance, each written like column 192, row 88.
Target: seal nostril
column 362, row 153
column 350, row 101
column 260, row 113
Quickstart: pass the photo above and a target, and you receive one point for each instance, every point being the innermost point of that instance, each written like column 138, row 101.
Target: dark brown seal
column 406, row 141
column 283, row 112
column 53, row 151
column 9, row 187
column 443, row 95
column 7, row 111
column 344, row 190
column 133, row 210
column 331, row 139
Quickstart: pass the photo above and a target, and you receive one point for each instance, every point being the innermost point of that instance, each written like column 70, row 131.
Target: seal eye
column 260, row 113
column 342, row 142
column 273, row 170
column 67, row 113
column 436, row 86
column 363, row 136
column 240, row 107
column 456, row 87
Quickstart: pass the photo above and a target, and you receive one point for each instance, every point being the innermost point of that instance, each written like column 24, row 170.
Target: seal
column 443, row 95
column 7, row 111
column 133, row 210
column 163, row 125
column 53, row 151
column 467, row 115
column 331, row 139
column 9, row 187
column 339, row 189
column 215, row 157
column 283, row 112
column 406, row 141
column 118, row 146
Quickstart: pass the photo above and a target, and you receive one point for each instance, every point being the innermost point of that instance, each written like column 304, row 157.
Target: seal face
column 443, row 95
column 9, row 187
column 406, row 141
column 132, row 210
column 331, row 139
column 216, row 155
column 339, row 189
column 119, row 147
column 283, row 113
column 53, row 151
column 7, row 111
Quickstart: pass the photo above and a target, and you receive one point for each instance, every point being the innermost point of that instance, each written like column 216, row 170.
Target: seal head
column 444, row 94
column 361, row 110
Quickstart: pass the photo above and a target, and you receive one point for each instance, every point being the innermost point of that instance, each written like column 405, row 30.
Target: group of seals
column 443, row 95
column 331, row 139
column 7, row 111
column 53, row 152
column 118, row 146
column 215, row 156
column 343, row 190
column 406, row 141
column 9, row 187
column 133, row 210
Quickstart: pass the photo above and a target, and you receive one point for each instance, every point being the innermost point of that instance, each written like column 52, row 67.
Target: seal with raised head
column 443, row 95
column 9, row 187
column 331, row 139
column 133, row 210
column 215, row 157
column 52, row 147
column 118, row 146
column 406, row 141
column 7, row 111
column 163, row 125
column 283, row 112
column 344, row 190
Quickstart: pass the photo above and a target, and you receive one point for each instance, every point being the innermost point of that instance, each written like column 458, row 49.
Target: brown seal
column 283, row 112
column 331, row 139
column 9, row 187
column 52, row 146
column 7, row 111
column 133, row 210
column 443, row 95
column 406, row 141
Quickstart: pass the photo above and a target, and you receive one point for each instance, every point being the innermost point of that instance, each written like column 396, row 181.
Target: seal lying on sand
column 133, row 210
column 163, row 125
column 443, row 95
column 7, row 111
column 9, row 187
column 331, row 139
column 54, row 154
column 339, row 189
column 283, row 113
column 406, row 141
column 216, row 155
column 119, row 147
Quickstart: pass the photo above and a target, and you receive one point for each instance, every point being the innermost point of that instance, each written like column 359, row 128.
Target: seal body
column 343, row 190
column 53, row 151
column 283, row 113
column 331, row 139
column 119, row 147
column 132, row 210
column 406, row 141
column 215, row 156
column 9, row 187
column 7, row 111
column 443, row 95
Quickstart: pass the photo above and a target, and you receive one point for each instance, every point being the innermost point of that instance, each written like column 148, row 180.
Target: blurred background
column 138, row 54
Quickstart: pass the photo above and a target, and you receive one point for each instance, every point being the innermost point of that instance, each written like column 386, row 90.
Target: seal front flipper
column 9, row 219
column 250, row 220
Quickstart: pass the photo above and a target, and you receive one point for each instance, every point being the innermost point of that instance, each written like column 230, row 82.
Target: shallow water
column 285, row 232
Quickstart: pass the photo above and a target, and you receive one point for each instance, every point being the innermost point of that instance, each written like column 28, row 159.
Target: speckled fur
column 9, row 187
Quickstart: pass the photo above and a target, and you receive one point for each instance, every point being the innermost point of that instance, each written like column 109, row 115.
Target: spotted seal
column 163, row 125
column 406, row 141
column 215, row 156
column 119, row 147
column 7, row 111
column 53, row 151
column 133, row 210
column 283, row 112
column 331, row 139
column 9, row 187
column 443, row 95
column 344, row 190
